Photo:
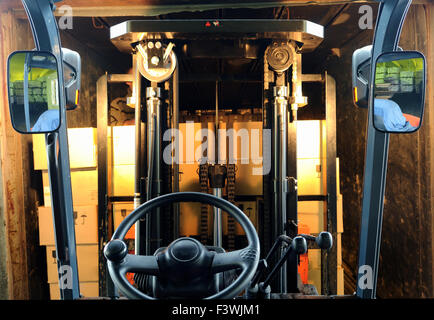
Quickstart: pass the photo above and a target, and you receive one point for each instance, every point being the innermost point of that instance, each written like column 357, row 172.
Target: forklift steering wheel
column 184, row 253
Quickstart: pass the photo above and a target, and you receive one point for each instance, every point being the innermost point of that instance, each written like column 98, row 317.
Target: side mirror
column 399, row 91
column 71, row 77
column 33, row 91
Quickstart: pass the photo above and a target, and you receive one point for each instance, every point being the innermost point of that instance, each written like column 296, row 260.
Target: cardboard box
column 124, row 147
column 314, row 268
column 245, row 182
column 309, row 139
column 310, row 177
column 84, row 184
column 191, row 135
column 120, row 211
column 86, row 225
column 123, row 180
column 87, row 260
column 189, row 219
column 82, row 149
column 311, row 214
column 87, row 289
column 249, row 209
column 189, row 177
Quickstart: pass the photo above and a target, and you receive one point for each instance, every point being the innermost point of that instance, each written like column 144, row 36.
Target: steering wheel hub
column 184, row 250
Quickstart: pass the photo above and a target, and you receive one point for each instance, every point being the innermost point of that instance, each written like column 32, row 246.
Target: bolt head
column 155, row 60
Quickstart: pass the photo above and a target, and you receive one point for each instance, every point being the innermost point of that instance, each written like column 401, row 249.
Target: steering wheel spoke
column 143, row 264
column 227, row 261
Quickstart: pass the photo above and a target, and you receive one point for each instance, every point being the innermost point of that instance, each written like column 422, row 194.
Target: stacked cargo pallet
column 312, row 180
column 84, row 183
column 121, row 160
column 121, row 163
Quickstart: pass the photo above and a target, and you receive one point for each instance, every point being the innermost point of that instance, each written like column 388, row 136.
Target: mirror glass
column 399, row 91
column 33, row 88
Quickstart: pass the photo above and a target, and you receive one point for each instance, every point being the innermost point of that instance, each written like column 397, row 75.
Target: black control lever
column 263, row 263
column 298, row 246
column 324, row 240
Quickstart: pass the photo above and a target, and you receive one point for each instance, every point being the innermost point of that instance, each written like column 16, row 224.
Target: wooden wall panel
column 430, row 104
column 12, row 184
column 16, row 205
column 93, row 65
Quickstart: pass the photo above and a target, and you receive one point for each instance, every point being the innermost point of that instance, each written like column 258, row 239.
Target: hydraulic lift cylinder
column 153, row 102
column 138, row 124
column 218, row 233
column 280, row 176
column 217, row 174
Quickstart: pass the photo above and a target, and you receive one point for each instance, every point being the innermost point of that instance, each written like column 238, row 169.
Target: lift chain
column 231, row 198
column 203, row 179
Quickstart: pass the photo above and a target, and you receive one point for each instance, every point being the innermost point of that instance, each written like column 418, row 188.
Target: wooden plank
column 429, row 105
column 12, row 173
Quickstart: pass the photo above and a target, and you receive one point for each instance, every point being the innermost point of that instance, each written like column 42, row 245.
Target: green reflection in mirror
column 33, row 86
column 399, row 92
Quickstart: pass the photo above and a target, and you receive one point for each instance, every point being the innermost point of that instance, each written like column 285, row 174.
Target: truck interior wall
column 4, row 294
column 406, row 253
column 408, row 211
column 430, row 101
column 19, row 196
column 94, row 65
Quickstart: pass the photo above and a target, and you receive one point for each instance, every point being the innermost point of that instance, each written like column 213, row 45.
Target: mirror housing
column 399, row 91
column 33, row 91
column 71, row 77
column 361, row 74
